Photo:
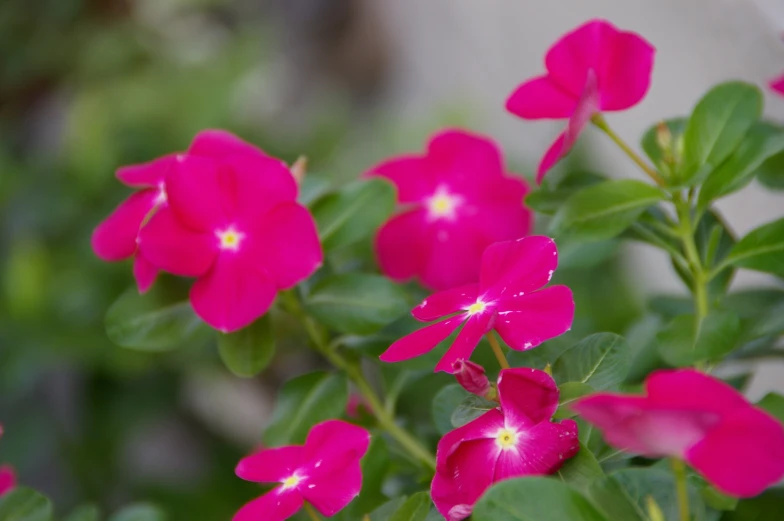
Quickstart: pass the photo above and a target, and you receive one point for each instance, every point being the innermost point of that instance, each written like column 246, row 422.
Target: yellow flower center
column 443, row 205
column 230, row 239
column 291, row 481
column 506, row 439
column 476, row 307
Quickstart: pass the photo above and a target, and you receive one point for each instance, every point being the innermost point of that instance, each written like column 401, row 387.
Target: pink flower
column 517, row 439
column 115, row 238
column 777, row 84
column 507, row 299
column 471, row 377
column 325, row 472
column 7, row 478
column 595, row 68
column 457, row 199
column 233, row 222
column 686, row 414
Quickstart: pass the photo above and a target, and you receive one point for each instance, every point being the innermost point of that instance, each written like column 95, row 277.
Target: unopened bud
column 471, row 377
column 548, row 369
column 299, row 168
column 663, row 136
column 654, row 511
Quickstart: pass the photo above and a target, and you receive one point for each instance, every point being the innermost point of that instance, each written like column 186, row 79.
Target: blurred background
column 89, row 85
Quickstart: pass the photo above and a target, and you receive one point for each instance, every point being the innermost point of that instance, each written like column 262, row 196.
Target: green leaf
column 547, row 200
column 25, row 504
column 762, row 249
column 139, row 512
column 152, row 322
column 84, row 513
column 601, row 360
column 774, row 404
column 681, row 343
column 771, row 172
column 604, row 210
column 249, row 351
column 583, row 255
column 717, row 125
column 387, row 510
column 303, row 402
column 570, row 391
column 714, row 242
column 715, row 499
column 444, row 404
column 534, row 499
column 353, row 213
column 415, row 508
column 539, row 357
column 357, row 303
column 470, row 409
column 760, row 143
column 663, row 159
column 581, row 470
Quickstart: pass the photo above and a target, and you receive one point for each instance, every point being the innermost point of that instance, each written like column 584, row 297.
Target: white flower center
column 476, row 308
column 291, row 482
column 443, row 205
column 506, row 438
column 230, row 239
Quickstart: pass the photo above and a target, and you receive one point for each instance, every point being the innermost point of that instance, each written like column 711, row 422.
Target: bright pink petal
column 421, row 341
column 411, row 176
column 481, row 428
column 275, row 505
column 197, row 193
column 528, row 396
column 465, row 162
column 401, row 246
column 331, row 493
column 527, row 321
column 468, row 474
column 631, row 423
column 576, row 53
column 219, row 143
column 455, row 254
column 624, row 70
column 744, row 455
column 7, row 479
column 232, row 294
column 174, row 248
column 587, row 106
column 474, row 329
column 551, row 157
column 271, row 465
column 777, row 85
column 115, row 238
column 147, row 175
column 334, row 444
column 446, row 302
column 257, row 185
column 691, row 389
column 498, row 222
column 540, row 98
column 519, row 266
column 144, row 272
column 287, row 245
column 541, row 451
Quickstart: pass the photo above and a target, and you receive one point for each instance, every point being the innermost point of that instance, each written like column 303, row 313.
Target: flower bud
column 299, row 168
column 471, row 377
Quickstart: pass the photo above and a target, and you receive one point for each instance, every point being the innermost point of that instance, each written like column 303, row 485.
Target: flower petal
column 421, row 341
column 333, row 444
column 587, row 106
column 474, row 329
column 570, row 58
column 220, row 143
column 287, row 245
column 540, row 98
column 744, row 455
column 232, row 294
column 7, row 478
column 465, row 162
column 455, row 252
column 331, row 493
column 410, row 174
column 115, row 238
column 528, row 396
column 519, row 266
column 481, row 428
column 541, row 451
column 197, row 193
column 174, row 248
column 525, row 322
column 468, row 474
column 777, row 84
column 275, row 505
column 446, row 302
column 499, row 221
column 401, row 247
column 551, row 157
column 144, row 272
column 258, row 185
column 624, row 70
column 147, row 175
column 271, row 465
column 691, row 389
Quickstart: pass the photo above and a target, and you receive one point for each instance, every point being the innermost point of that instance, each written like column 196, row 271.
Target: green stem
column 700, row 277
column 354, row 372
column 312, row 512
column 497, row 351
column 600, row 122
column 679, row 470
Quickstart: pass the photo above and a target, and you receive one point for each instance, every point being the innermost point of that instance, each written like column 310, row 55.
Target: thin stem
column 312, row 512
column 600, row 122
column 497, row 351
column 679, row 470
column 354, row 372
column 692, row 255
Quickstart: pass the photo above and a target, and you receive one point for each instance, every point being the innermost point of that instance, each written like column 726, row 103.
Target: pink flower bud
column 471, row 377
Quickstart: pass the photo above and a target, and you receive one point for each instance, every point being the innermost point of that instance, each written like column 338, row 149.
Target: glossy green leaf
column 25, row 504
column 387, row 510
column 717, row 126
column 470, row 409
column 539, row 357
column 139, row 512
column 152, row 322
column 534, row 499
column 604, row 210
column 547, row 200
column 683, row 342
column 444, row 404
column 771, row 172
column 249, row 351
column 570, row 392
column 353, row 213
column 581, row 470
column 664, row 159
column 760, row 143
column 601, row 360
column 762, row 249
column 84, row 513
column 774, row 404
column 416, row 508
column 357, row 303
column 303, row 402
